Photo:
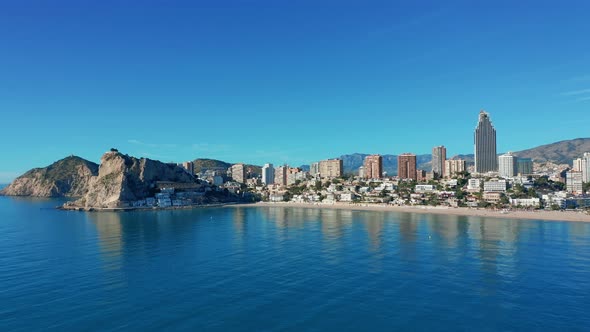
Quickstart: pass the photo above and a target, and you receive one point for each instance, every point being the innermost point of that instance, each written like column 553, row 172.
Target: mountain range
column 562, row 152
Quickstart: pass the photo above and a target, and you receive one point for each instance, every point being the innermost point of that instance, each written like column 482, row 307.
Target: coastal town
column 492, row 182
column 485, row 181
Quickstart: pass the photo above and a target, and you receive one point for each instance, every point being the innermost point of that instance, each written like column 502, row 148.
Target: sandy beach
column 511, row 214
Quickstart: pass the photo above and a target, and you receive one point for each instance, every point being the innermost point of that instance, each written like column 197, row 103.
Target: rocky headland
column 123, row 179
column 68, row 177
column 121, row 182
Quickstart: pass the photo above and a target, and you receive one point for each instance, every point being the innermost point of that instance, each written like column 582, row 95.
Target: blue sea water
column 287, row 269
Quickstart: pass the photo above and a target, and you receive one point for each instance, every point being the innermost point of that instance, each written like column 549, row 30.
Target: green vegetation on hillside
column 205, row 164
column 62, row 169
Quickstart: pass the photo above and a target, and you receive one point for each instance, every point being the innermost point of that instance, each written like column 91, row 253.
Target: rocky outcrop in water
column 123, row 179
column 69, row 177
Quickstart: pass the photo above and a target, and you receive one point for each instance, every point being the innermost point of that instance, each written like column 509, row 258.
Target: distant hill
column 214, row 164
column 562, row 152
column 66, row 177
column 205, row 164
column 559, row 152
column 469, row 158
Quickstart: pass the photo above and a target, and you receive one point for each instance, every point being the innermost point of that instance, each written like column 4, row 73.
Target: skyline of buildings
column 507, row 166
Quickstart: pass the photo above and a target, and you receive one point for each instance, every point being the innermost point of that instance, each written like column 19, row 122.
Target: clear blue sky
column 286, row 81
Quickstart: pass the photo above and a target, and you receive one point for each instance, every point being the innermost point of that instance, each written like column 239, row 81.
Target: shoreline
column 143, row 208
column 572, row 216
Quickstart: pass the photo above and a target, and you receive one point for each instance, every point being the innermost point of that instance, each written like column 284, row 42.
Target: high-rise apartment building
column 314, row 169
column 406, row 166
column 421, row 175
column 573, row 182
column 485, row 145
column 189, row 166
column 268, row 174
column 524, row 166
column 507, row 165
column 373, row 167
column 331, row 168
column 281, row 173
column 452, row 167
column 439, row 155
column 238, row 173
column 295, row 174
column 583, row 165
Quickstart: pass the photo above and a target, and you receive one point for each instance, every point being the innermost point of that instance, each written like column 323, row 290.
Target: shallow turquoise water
column 287, row 269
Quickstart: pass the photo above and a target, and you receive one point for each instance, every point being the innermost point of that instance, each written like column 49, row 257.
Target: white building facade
column 507, row 165
column 268, row 174
column 583, row 165
column 573, row 182
column 494, row 186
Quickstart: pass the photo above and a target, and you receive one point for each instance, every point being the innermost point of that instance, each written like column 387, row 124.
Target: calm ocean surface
column 287, row 269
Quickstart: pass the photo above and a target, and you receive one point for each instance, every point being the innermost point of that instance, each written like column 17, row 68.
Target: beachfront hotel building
column 373, row 167
column 485, row 145
column 268, row 174
column 406, row 166
column 439, row 155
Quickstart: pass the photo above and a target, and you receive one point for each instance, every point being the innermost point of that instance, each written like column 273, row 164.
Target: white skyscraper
column 583, row 165
column 507, row 165
column 268, row 174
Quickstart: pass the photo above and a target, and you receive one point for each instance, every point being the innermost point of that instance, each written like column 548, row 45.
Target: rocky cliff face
column 69, row 177
column 122, row 179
